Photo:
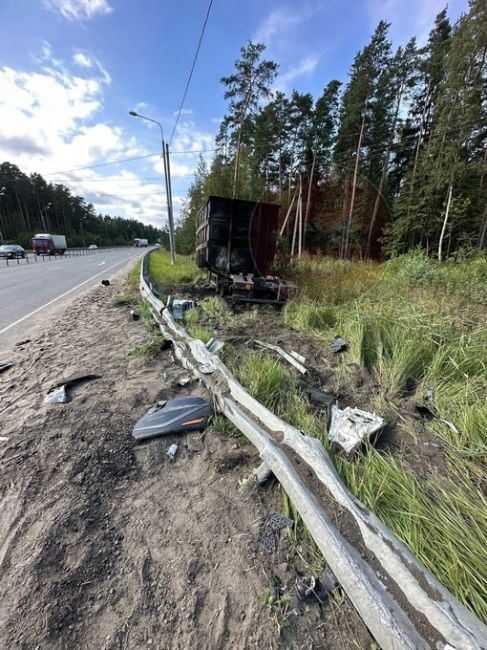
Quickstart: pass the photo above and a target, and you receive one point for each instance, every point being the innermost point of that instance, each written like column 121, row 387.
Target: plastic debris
column 173, row 416
column 426, row 413
column 316, row 395
column 105, row 283
column 183, row 381
column 269, row 533
column 179, row 307
column 288, row 357
column 298, row 357
column 5, row 366
column 350, row 427
column 172, row 451
column 134, row 315
column 338, row 345
column 214, row 346
column 22, row 342
column 3, row 439
column 59, row 394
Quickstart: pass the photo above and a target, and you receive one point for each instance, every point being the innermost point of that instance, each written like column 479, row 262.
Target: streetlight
column 45, row 208
column 2, row 193
column 167, row 180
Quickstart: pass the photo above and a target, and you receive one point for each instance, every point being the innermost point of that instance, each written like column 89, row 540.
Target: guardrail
column 402, row 603
column 33, row 258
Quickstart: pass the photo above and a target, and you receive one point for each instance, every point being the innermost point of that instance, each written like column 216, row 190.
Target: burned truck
column 236, row 242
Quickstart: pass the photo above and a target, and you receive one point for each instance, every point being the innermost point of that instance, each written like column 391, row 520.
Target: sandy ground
column 105, row 543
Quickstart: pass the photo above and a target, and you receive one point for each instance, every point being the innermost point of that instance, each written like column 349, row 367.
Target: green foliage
column 164, row 273
column 150, row 348
column 30, row 205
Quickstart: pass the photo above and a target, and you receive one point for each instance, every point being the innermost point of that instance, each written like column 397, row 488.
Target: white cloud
column 78, row 9
column 184, row 111
column 83, row 60
column 303, row 68
column 277, row 21
column 412, row 18
column 50, row 120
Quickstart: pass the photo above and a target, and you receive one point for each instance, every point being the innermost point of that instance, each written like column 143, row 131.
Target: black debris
column 5, row 366
column 338, row 345
column 58, row 393
column 105, row 283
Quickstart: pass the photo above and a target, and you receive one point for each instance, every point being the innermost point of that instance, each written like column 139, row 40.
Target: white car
column 92, row 247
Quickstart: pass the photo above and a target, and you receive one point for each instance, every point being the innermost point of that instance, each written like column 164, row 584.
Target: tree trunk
column 447, row 212
column 308, row 200
column 354, row 187
column 484, row 230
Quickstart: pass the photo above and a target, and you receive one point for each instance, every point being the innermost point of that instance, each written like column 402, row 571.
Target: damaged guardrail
column 398, row 598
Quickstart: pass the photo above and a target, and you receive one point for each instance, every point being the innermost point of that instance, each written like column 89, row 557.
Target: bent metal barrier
column 398, row 598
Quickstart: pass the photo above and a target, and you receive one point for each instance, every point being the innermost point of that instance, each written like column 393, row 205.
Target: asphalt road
column 30, row 292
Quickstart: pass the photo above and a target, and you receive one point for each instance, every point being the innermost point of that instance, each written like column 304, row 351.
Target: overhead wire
column 191, row 72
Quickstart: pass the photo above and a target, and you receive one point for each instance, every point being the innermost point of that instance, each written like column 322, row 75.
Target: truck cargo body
column 46, row 244
column 141, row 242
column 236, row 236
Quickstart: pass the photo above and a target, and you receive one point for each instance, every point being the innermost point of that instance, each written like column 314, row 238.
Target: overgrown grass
column 164, row 273
column 150, row 348
column 416, row 326
column 133, row 279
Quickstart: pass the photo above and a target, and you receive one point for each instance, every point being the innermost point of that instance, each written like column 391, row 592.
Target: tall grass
column 416, row 326
column 164, row 273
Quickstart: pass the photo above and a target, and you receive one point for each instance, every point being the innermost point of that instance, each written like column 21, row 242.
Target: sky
column 70, row 71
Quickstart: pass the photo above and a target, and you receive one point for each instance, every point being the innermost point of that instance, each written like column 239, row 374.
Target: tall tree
column 245, row 88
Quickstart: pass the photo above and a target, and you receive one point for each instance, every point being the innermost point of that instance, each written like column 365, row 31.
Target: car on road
column 10, row 251
column 92, row 247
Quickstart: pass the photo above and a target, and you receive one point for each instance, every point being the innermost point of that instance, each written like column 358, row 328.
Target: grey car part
column 173, row 416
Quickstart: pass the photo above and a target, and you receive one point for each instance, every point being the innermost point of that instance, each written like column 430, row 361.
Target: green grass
column 164, row 273
column 133, row 279
column 150, row 348
column 415, row 325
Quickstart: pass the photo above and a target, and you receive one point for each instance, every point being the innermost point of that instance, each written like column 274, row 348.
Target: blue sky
column 70, row 70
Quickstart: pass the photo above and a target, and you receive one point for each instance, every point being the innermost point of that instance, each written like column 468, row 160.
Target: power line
column 104, row 164
column 191, row 72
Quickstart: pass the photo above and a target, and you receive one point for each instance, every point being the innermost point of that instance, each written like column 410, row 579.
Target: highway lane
column 29, row 292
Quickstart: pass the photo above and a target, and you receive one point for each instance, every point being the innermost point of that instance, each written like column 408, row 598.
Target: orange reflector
column 196, row 421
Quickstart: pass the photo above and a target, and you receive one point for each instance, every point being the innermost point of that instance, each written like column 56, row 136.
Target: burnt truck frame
column 236, row 242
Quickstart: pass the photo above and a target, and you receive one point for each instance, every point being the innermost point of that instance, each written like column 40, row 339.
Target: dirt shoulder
column 107, row 544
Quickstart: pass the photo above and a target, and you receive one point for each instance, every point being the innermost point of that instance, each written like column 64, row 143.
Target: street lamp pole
column 167, row 181
column 2, row 193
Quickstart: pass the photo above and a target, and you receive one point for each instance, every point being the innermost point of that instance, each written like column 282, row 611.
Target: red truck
column 45, row 244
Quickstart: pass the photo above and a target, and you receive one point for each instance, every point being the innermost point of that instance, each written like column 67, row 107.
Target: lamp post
column 45, row 209
column 167, row 181
column 2, row 193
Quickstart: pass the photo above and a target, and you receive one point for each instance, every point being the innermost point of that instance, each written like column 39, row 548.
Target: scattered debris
column 173, row 416
column 4, row 439
column 207, row 368
column 426, row 413
column 269, row 533
column 166, row 344
column 5, row 366
column 134, row 315
column 298, row 357
column 105, row 283
column 429, row 395
column 183, row 381
column 179, row 307
column 214, row 346
column 59, row 394
column 263, row 473
column 22, row 342
column 328, row 581
column 289, row 358
column 316, row 395
column 172, row 451
column 351, row 426
column 338, row 345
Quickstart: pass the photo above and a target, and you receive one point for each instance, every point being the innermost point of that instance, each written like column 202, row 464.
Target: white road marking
column 5, row 329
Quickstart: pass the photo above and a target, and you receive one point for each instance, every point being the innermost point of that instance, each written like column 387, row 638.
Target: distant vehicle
column 92, row 247
column 141, row 242
column 45, row 244
column 10, row 251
